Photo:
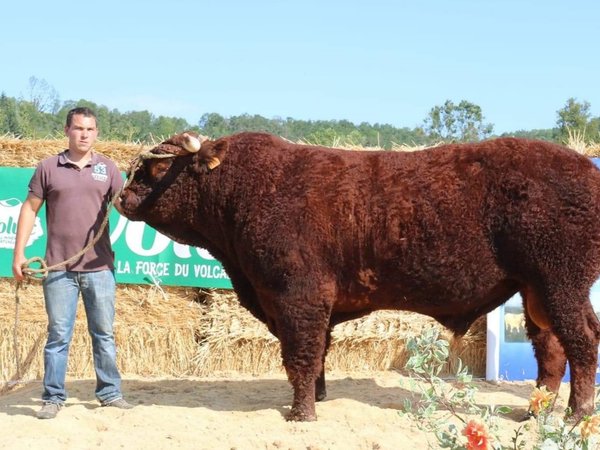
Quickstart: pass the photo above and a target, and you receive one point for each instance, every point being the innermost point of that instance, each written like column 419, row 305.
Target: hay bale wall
column 186, row 331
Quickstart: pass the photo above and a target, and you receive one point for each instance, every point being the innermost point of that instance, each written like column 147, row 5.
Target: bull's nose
column 118, row 203
column 127, row 202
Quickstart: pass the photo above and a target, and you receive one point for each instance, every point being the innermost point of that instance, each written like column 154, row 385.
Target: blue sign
column 509, row 351
column 508, row 342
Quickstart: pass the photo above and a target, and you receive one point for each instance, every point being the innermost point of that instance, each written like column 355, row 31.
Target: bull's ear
column 211, row 155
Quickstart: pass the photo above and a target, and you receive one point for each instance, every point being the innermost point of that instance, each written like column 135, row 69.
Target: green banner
column 142, row 255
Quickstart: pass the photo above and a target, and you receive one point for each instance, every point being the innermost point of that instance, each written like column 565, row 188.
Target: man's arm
column 29, row 210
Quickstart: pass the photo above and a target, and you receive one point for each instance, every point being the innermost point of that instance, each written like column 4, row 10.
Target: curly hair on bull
column 313, row 236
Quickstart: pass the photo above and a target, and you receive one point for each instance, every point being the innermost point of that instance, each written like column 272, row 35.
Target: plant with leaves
column 557, row 434
column 441, row 406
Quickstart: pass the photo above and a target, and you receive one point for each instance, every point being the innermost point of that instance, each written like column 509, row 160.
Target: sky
column 380, row 62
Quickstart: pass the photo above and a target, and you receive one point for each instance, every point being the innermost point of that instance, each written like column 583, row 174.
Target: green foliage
column 23, row 118
column 462, row 122
column 42, row 96
column 544, row 135
column 441, row 406
column 320, row 132
column 42, row 115
column 574, row 117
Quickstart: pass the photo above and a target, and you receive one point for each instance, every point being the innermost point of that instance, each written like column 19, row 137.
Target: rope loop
column 32, row 272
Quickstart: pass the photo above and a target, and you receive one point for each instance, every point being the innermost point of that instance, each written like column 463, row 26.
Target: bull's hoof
column 321, row 396
column 528, row 415
column 575, row 417
column 300, row 416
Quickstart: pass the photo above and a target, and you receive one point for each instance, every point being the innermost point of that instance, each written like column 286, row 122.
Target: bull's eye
column 159, row 168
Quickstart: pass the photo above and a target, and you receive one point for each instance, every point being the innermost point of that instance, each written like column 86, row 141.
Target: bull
column 313, row 236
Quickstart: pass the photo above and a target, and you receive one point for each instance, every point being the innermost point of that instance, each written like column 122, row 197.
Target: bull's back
column 448, row 223
column 455, row 225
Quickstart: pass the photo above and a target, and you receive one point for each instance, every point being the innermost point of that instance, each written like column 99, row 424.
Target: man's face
column 82, row 133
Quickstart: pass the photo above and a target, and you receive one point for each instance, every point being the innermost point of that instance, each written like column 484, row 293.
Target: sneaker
column 118, row 403
column 49, row 410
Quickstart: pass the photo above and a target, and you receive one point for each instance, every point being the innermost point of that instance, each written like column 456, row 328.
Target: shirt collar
column 63, row 160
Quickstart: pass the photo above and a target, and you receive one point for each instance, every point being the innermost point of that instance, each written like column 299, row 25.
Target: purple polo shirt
column 76, row 202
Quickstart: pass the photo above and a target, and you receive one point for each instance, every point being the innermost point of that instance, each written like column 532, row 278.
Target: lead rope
column 41, row 273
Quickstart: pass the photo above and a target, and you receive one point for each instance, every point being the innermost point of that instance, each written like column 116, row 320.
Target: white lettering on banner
column 203, row 253
column 208, row 271
column 118, row 231
column 134, row 234
column 152, row 268
column 182, row 270
column 181, row 251
column 122, row 267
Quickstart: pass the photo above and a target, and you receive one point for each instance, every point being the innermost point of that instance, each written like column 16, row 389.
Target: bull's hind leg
column 548, row 351
column 320, row 386
column 577, row 329
column 583, row 361
column 551, row 360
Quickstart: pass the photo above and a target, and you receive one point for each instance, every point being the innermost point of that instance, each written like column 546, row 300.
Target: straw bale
column 593, row 150
column 15, row 152
column 154, row 332
column 195, row 332
column 373, row 342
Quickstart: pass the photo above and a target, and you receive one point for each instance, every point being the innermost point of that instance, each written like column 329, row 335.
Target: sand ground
column 362, row 411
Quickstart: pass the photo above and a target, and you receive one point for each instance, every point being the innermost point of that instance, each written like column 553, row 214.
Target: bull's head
column 155, row 177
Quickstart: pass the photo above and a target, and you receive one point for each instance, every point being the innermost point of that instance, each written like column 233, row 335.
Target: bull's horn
column 191, row 143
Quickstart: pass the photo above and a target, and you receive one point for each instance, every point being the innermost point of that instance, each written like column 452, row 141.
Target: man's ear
column 211, row 155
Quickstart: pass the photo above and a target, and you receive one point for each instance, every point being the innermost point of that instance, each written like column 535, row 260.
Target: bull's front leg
column 320, row 387
column 303, row 328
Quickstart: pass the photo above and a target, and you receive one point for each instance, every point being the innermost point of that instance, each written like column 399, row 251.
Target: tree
column 9, row 116
column 593, row 129
column 540, row 134
column 164, row 127
column 462, row 122
column 572, row 118
column 213, row 125
column 43, row 96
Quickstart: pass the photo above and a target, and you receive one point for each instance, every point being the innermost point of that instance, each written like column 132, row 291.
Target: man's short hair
column 80, row 110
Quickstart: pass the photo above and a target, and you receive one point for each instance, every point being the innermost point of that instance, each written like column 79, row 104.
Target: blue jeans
column 61, row 293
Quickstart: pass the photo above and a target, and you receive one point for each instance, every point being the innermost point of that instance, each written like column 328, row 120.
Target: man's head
column 81, row 129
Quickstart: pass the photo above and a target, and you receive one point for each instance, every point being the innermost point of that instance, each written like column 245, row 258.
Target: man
column 77, row 186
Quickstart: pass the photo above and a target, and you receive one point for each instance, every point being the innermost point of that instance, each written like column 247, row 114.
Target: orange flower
column 477, row 436
column 589, row 426
column 540, row 399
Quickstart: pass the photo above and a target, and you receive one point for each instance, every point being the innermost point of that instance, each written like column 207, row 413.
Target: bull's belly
column 434, row 301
